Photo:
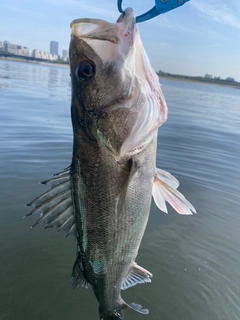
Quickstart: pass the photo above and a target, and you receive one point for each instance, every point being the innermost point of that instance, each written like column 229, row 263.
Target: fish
column 103, row 198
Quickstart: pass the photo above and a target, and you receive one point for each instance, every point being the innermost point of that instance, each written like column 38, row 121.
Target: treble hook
column 161, row 6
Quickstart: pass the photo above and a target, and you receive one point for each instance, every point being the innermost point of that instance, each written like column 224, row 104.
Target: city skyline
column 200, row 37
column 7, row 47
column 51, row 56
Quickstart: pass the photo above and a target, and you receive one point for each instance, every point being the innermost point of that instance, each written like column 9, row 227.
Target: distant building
column 16, row 49
column 35, row 53
column 44, row 55
column 217, row 78
column 208, row 76
column 160, row 73
column 64, row 54
column 10, row 48
column 22, row 51
column 54, row 48
column 1, row 44
column 230, row 79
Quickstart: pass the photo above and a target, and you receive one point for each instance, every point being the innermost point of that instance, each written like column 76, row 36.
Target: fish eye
column 85, row 71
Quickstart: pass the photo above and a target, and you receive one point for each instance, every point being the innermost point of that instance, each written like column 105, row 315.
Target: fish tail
column 117, row 314
column 110, row 315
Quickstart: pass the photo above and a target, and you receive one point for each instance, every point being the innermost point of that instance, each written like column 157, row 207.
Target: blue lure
column 161, row 6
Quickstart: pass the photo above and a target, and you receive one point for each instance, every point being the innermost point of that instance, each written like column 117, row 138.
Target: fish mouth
column 101, row 29
column 127, row 17
column 108, row 40
column 94, row 29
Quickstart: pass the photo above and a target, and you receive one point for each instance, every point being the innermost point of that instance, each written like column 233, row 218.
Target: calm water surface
column 195, row 260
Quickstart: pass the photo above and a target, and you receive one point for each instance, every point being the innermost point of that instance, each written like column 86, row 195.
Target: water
column 195, row 260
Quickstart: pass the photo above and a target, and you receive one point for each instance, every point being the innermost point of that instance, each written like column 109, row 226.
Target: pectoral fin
column 56, row 206
column 165, row 189
column 135, row 276
column 132, row 168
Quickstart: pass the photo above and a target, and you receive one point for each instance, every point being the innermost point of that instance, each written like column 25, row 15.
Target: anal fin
column 165, row 189
column 135, row 276
column 78, row 277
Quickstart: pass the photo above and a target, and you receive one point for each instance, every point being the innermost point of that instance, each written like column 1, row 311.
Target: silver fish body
column 104, row 197
column 109, row 234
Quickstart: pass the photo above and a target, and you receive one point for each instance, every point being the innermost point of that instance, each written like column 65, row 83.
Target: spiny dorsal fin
column 56, row 205
column 135, row 276
column 165, row 189
column 77, row 275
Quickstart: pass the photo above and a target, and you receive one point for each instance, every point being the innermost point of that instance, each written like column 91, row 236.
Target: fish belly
column 109, row 234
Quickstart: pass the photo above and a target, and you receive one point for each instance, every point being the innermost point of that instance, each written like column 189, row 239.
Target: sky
column 202, row 36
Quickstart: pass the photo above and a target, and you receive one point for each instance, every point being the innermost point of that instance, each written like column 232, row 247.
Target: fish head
column 115, row 93
column 98, row 55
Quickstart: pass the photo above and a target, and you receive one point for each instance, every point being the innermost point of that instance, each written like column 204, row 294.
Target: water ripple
column 195, row 260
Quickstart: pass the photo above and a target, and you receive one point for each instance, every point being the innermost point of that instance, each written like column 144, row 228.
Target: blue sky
column 203, row 36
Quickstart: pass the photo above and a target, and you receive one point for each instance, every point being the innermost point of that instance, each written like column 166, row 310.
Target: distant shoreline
column 47, row 63
column 165, row 76
column 199, row 81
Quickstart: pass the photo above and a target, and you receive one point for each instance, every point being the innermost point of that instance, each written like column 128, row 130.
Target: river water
column 195, row 260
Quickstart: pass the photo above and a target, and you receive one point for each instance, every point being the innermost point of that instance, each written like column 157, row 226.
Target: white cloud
column 227, row 14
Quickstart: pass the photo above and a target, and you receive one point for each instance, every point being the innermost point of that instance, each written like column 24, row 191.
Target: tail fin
column 117, row 314
column 114, row 315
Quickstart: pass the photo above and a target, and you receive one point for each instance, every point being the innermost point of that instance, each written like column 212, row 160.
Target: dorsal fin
column 56, row 205
column 135, row 276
